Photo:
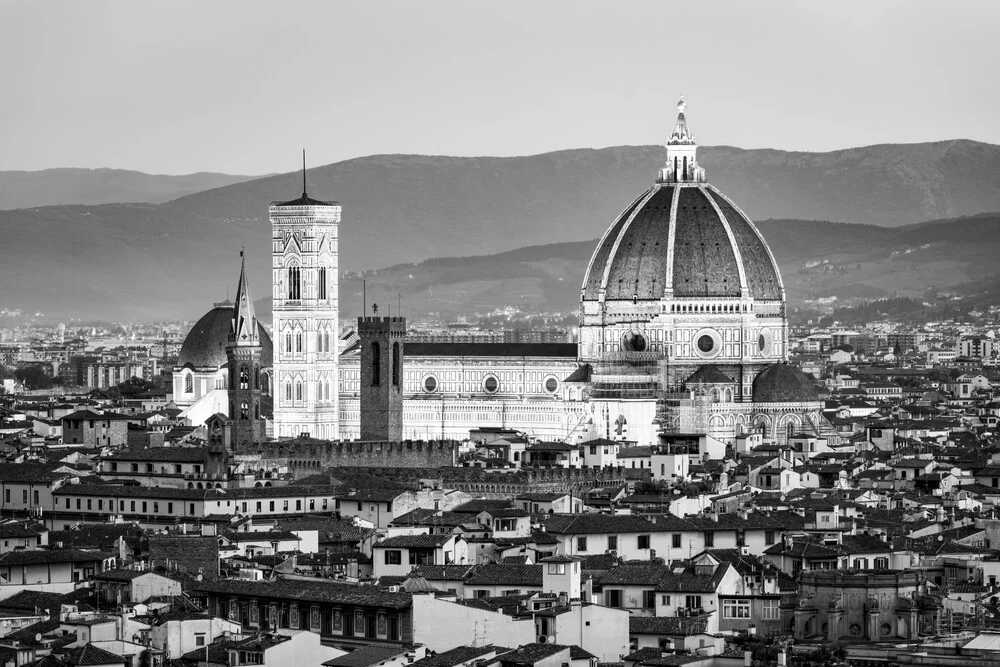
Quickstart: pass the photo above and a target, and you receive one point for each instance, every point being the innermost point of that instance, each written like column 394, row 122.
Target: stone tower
column 382, row 340
column 244, row 354
column 305, row 315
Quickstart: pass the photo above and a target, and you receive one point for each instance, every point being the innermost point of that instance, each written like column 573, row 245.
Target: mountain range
column 145, row 261
column 53, row 187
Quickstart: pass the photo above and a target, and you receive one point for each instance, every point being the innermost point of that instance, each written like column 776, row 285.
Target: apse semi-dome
column 205, row 345
column 682, row 238
column 781, row 383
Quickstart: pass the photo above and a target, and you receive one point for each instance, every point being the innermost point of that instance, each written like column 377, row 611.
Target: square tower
column 305, row 316
column 381, row 340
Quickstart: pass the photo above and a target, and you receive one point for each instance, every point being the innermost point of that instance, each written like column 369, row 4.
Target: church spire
column 304, row 195
column 244, row 329
column 682, row 153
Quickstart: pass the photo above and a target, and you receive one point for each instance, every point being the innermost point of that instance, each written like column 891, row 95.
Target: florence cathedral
column 682, row 330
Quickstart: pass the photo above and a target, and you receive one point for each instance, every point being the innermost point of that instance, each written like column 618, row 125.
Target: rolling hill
column 54, row 187
column 817, row 259
column 149, row 261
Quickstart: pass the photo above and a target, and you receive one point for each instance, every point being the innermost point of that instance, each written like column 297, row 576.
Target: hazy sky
column 240, row 87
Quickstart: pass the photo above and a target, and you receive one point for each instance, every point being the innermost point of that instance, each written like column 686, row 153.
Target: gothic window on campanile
column 244, row 378
column 294, row 283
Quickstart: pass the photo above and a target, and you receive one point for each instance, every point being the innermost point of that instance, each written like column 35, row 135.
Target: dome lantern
column 682, row 153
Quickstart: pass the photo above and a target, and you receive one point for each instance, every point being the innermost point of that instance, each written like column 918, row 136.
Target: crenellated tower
column 244, row 353
column 304, row 254
column 382, row 340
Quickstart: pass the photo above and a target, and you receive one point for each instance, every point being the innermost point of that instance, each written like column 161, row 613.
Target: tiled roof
column 29, row 472
column 92, row 536
column 88, row 654
column 366, row 656
column 31, row 600
column 307, row 591
column 503, row 574
column 585, row 524
column 456, row 656
column 667, row 625
column 648, row 573
column 529, row 654
column 480, row 505
column 441, row 572
column 415, row 541
column 161, row 454
column 51, row 556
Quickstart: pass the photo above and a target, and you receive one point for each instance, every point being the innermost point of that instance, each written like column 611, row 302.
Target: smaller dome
column 205, row 345
column 781, row 383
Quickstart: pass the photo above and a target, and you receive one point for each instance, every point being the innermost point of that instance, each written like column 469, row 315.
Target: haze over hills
column 817, row 259
column 151, row 261
column 52, row 187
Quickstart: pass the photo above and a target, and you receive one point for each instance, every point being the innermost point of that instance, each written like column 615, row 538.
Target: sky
column 240, row 87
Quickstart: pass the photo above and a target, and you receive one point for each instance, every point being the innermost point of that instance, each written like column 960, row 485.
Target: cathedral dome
column 205, row 345
column 781, row 383
column 682, row 238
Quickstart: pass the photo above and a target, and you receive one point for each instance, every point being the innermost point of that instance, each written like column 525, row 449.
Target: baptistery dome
column 205, row 345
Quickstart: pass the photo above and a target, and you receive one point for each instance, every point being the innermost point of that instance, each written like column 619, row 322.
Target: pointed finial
column 681, row 104
column 304, row 173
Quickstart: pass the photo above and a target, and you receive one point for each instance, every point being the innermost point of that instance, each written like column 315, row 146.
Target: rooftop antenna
column 364, row 298
column 304, row 195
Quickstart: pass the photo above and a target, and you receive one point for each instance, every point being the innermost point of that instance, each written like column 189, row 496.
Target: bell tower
column 304, row 253
column 243, row 352
column 382, row 340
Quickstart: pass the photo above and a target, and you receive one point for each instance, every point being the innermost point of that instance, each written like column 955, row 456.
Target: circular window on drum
column 430, row 384
column 765, row 342
column 551, row 384
column 634, row 341
column 491, row 384
column 707, row 343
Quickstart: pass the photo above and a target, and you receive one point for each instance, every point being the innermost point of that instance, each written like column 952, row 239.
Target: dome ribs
column 704, row 262
column 599, row 261
column 761, row 273
column 637, row 269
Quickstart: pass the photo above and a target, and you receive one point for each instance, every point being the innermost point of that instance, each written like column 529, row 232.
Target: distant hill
column 817, row 259
column 53, row 187
column 143, row 261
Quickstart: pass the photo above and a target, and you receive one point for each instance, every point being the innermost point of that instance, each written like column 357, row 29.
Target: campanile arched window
column 294, row 283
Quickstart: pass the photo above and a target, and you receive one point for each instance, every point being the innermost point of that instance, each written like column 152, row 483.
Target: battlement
column 493, row 483
column 382, row 325
column 308, row 455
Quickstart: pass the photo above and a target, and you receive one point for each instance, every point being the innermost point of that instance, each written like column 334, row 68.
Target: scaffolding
column 628, row 375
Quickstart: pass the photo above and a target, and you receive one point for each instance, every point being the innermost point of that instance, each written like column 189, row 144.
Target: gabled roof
column 88, row 654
